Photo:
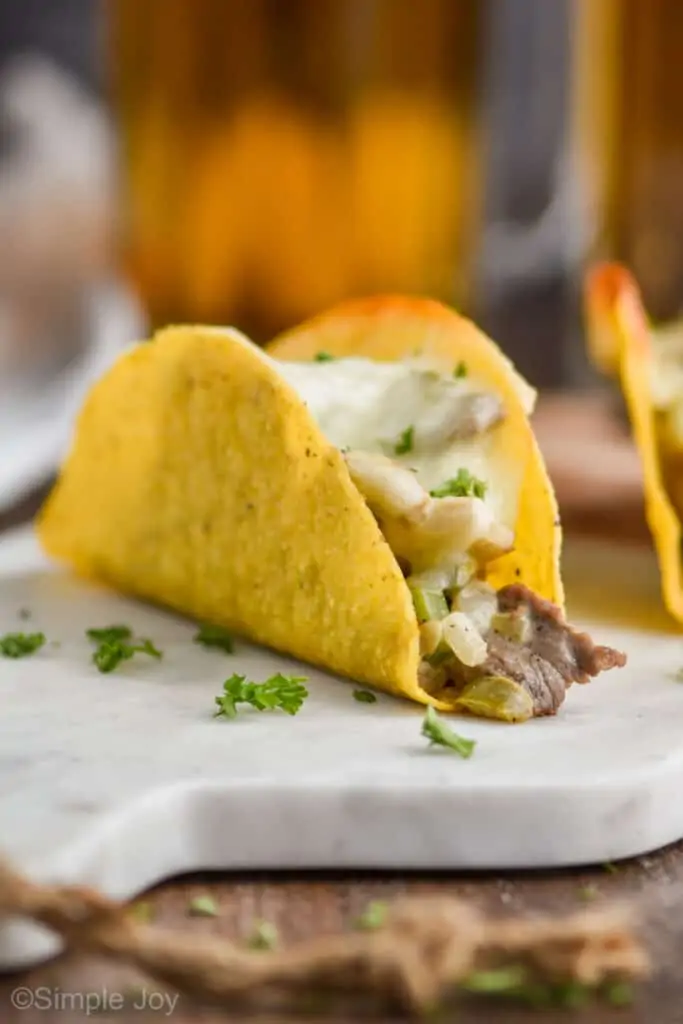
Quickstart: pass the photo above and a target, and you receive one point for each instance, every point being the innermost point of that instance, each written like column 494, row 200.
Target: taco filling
column 420, row 446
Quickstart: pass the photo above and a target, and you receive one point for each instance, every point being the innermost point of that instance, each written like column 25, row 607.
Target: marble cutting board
column 121, row 780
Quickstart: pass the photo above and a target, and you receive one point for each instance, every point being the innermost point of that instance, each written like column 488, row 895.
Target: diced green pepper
column 429, row 604
column 496, row 697
column 442, row 654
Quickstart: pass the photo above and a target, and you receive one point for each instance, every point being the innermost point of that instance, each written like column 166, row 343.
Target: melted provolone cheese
column 364, row 405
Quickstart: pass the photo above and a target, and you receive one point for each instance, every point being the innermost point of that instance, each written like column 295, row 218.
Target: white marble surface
column 121, row 780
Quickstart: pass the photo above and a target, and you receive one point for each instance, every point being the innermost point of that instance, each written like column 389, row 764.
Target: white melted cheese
column 364, row 405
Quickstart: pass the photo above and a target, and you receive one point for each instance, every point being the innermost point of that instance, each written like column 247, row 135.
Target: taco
column 648, row 363
column 367, row 496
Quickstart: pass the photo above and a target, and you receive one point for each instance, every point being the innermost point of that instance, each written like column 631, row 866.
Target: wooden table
column 597, row 479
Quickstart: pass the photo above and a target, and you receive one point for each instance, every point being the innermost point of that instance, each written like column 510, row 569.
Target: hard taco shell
column 620, row 342
column 199, row 480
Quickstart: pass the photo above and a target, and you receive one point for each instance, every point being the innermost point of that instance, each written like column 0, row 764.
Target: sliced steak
column 538, row 676
column 573, row 654
column 554, row 656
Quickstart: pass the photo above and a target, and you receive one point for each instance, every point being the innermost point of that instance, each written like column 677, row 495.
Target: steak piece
column 554, row 656
column 518, row 662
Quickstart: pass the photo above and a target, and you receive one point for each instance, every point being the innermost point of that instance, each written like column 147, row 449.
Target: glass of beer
column 280, row 155
column 628, row 79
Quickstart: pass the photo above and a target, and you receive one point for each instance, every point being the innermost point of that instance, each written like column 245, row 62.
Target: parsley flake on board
column 20, row 645
column 373, row 916
column 109, row 634
column 202, row 906
column 440, row 734
column 323, row 357
column 280, row 691
column 404, row 444
column 462, row 485
column 215, row 636
column 264, row 936
column 113, row 647
column 364, row 697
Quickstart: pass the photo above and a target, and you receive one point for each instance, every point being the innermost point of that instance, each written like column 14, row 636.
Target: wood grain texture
column 596, row 474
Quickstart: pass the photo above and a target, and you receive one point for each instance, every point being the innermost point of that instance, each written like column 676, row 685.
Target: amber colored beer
column 629, row 130
column 279, row 155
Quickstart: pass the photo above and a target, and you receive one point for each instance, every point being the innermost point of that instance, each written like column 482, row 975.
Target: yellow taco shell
column 620, row 342
column 199, row 480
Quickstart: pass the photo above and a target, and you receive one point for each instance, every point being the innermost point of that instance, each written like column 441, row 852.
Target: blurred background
column 253, row 161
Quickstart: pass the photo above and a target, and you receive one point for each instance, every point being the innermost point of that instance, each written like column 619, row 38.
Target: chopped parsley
column 440, row 734
column 24, row 613
column 462, row 485
column 373, row 916
column 364, row 697
column 461, row 370
column 109, row 634
column 404, row 444
column 20, row 645
column 588, row 893
column 202, row 906
column 113, row 647
column 215, row 636
column 610, row 868
column 323, row 357
column 280, row 691
column 264, row 936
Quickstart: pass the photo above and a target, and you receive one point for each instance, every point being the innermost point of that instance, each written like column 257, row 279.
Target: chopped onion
column 440, row 578
column 464, row 639
column 479, row 602
column 463, row 572
column 430, row 637
column 386, row 486
column 466, row 522
column 432, row 679
column 446, row 529
column 428, row 533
